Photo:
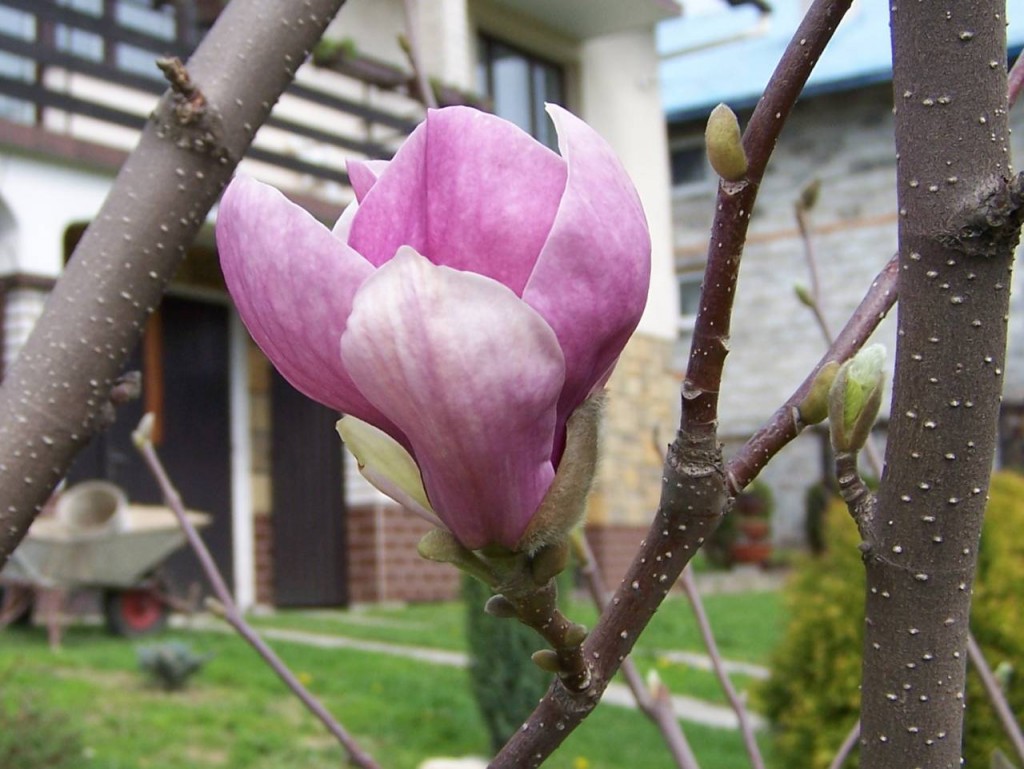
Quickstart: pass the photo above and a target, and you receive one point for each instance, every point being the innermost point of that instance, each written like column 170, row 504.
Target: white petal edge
column 387, row 466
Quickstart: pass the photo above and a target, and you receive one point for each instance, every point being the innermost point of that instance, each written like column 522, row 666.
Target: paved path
column 687, row 708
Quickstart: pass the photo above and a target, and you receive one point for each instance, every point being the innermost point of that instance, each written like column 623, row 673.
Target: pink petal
column 293, row 284
column 471, row 375
column 591, row 280
column 363, row 174
column 467, row 190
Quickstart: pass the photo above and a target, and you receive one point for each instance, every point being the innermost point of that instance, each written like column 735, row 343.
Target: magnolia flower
column 476, row 293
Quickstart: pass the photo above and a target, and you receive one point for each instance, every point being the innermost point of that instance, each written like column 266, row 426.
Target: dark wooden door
column 308, row 517
column 186, row 379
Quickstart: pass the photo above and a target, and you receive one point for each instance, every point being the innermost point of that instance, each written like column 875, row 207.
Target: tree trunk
column 958, row 225
column 57, row 393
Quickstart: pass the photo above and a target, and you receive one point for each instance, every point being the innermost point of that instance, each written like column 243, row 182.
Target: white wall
column 43, row 200
column 620, row 98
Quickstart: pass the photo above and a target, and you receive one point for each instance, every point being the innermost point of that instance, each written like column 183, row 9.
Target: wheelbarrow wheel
column 135, row 612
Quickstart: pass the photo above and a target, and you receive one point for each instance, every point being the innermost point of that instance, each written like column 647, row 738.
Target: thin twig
column 415, row 54
column 694, row 490
column 847, row 747
column 1015, row 81
column 229, row 609
column 733, row 206
column 784, row 425
column 657, row 707
column 996, row 695
column 746, row 727
column 53, row 395
column 810, row 256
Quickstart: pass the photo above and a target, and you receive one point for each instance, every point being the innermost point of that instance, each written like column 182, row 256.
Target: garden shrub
column 812, row 697
column 816, row 502
column 170, row 665
column 505, row 682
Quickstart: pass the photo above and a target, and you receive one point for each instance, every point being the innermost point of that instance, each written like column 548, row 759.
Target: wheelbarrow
column 95, row 539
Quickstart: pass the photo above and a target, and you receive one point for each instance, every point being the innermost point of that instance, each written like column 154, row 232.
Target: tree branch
column 738, row 707
column 958, row 222
column 785, row 424
column 228, row 609
column 656, row 706
column 694, row 493
column 733, row 209
column 51, row 399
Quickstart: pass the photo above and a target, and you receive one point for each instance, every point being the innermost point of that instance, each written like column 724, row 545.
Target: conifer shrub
column 505, row 682
column 812, row 697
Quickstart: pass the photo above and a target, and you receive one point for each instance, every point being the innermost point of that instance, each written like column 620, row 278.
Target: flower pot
column 751, row 552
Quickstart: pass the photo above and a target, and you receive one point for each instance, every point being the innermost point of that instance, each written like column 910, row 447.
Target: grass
column 746, row 625
column 236, row 715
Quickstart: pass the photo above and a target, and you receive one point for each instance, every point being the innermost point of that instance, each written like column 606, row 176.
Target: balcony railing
column 83, row 72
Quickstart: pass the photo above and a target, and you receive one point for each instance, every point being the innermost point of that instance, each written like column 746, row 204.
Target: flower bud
column 548, row 562
column 499, row 606
column 547, row 660
column 855, row 397
column 724, row 145
column 804, row 295
column 814, row 407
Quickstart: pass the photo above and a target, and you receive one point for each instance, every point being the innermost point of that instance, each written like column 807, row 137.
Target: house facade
column 840, row 135
column 294, row 524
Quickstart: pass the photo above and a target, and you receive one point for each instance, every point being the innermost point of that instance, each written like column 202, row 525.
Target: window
column 518, row 85
column 689, row 282
column 81, row 43
column 688, row 164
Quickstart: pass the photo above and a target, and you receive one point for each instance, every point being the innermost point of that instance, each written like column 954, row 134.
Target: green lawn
column 236, row 714
column 746, row 626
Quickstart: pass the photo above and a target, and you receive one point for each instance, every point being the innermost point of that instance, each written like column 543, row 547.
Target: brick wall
column 614, row 548
column 383, row 562
column 640, row 415
column 264, row 544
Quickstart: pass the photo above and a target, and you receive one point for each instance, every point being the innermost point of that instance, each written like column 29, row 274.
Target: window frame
column 690, row 277
column 694, row 143
column 537, row 65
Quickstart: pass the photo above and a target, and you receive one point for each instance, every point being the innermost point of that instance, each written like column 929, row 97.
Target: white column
column 242, row 536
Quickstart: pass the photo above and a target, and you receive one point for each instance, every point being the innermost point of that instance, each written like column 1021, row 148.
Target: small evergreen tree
column 505, row 683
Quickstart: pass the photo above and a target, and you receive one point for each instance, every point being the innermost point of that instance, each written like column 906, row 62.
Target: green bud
column 440, row 545
column 724, row 144
column 804, row 295
column 809, row 195
column 547, row 660
column 814, row 407
column 499, row 606
column 855, row 398
column 576, row 634
column 143, row 434
column 548, row 562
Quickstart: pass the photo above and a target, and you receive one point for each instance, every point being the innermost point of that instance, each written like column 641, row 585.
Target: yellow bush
column 812, row 697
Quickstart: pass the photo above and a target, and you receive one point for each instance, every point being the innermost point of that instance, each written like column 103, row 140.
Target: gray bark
column 56, row 395
column 959, row 218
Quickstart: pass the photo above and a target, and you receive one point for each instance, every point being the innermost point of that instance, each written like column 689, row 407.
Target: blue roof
column 726, row 54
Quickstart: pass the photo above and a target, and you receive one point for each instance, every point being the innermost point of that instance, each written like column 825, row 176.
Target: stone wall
column 383, row 562
column 845, row 140
column 640, row 420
